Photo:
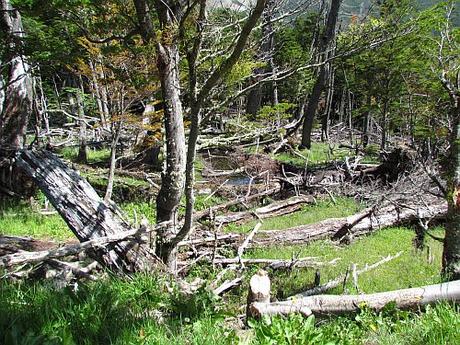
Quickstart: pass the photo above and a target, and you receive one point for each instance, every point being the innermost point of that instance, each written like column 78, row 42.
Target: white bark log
column 333, row 304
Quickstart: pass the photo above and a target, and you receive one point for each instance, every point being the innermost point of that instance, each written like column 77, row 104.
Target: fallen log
column 96, row 244
column 276, row 208
column 275, row 263
column 413, row 298
column 359, row 224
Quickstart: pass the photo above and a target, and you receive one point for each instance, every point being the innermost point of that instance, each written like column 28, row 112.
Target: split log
column 359, row 224
column 86, row 214
column 205, row 213
column 277, row 208
column 413, row 298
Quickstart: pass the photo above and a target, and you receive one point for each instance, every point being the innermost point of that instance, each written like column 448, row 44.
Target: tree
column 323, row 47
column 178, row 174
column 448, row 63
column 17, row 98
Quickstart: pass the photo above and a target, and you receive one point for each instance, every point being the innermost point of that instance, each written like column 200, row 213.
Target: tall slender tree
column 324, row 43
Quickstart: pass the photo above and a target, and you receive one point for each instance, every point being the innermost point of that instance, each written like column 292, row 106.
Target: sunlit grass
column 94, row 156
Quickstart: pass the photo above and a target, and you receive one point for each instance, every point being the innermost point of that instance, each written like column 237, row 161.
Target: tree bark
column 17, row 104
column 86, row 214
column 323, row 44
column 451, row 253
column 17, row 100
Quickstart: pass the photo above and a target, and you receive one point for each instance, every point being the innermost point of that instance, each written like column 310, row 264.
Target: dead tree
column 447, row 64
column 86, row 214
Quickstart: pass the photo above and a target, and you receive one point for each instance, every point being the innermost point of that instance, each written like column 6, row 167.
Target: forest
column 229, row 172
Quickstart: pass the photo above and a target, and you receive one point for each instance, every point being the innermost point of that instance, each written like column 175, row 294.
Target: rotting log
column 413, row 298
column 361, row 223
column 277, row 208
column 86, row 214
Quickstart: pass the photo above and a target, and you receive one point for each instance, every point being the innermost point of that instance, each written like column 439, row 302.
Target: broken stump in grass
column 259, row 291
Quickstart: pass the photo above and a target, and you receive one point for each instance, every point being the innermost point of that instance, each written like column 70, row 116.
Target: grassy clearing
column 21, row 219
column 323, row 209
column 143, row 310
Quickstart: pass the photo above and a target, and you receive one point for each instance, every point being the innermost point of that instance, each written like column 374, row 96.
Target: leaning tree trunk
column 86, row 214
column 17, row 102
column 323, row 45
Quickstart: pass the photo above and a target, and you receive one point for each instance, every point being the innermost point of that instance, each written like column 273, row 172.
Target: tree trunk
column 323, row 44
column 86, row 214
column 333, row 304
column 17, row 105
column 16, row 101
column 265, row 54
column 82, row 147
column 113, row 154
column 2, row 91
column 366, row 119
column 451, row 253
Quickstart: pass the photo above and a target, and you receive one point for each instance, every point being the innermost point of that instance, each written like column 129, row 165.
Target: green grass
column 308, row 214
column 320, row 154
column 142, row 310
column 94, row 156
column 409, row 270
column 438, row 325
column 112, row 311
column 21, row 220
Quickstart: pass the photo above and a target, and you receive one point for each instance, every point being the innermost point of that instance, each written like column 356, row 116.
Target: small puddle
column 238, row 180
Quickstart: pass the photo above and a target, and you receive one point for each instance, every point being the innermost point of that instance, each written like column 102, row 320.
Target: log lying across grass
column 341, row 304
column 361, row 223
column 276, row 208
